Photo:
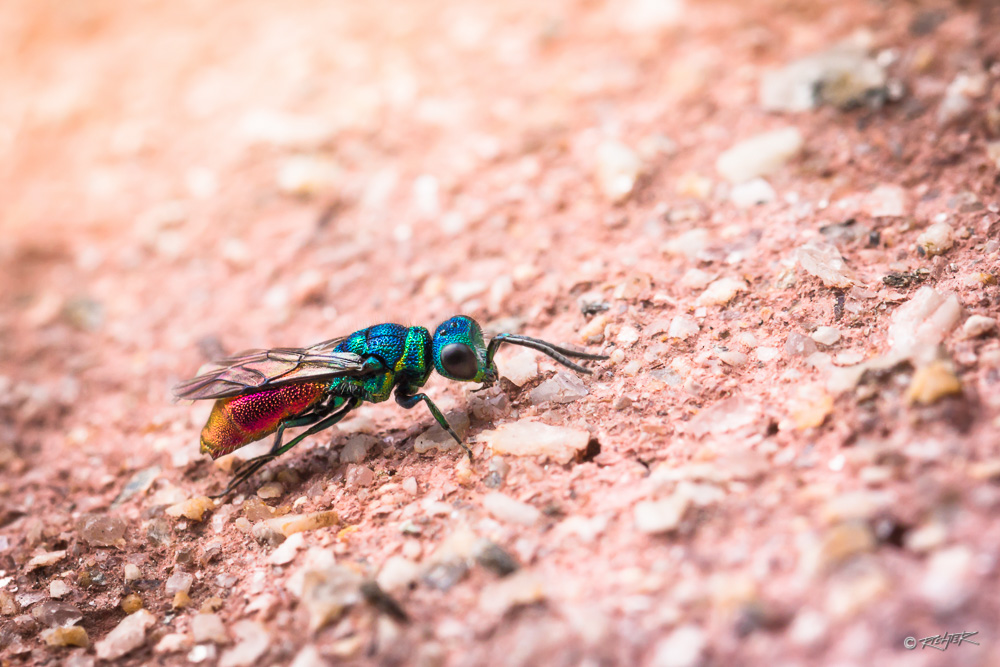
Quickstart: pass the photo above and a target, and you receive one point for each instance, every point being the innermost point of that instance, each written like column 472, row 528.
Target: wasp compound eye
column 459, row 361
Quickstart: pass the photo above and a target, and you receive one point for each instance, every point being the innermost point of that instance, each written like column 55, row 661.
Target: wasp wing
column 254, row 370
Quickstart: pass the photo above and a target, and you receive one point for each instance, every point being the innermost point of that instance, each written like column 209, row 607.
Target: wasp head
column 459, row 352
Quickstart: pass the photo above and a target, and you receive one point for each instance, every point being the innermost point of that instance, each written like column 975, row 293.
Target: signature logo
column 940, row 642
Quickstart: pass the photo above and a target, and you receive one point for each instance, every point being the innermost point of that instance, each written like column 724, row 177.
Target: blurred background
column 182, row 180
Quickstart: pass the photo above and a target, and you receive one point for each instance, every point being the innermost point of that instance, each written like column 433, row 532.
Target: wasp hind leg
column 319, row 422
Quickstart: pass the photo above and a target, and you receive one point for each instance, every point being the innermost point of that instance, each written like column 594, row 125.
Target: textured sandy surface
column 184, row 180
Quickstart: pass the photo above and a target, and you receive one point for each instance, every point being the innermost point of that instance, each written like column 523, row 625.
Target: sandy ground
column 183, row 180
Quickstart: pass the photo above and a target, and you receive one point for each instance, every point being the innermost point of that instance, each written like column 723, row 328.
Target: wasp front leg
column 409, row 400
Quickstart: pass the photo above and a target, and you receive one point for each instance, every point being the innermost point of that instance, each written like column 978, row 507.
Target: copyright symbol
column 910, row 643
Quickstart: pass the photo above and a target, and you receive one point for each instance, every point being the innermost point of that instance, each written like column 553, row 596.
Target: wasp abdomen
column 240, row 420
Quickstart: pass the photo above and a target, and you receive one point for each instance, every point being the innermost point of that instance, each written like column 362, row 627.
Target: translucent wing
column 254, row 370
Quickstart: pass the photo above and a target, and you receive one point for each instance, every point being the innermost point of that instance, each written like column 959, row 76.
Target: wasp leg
column 251, row 466
column 319, row 420
column 410, row 401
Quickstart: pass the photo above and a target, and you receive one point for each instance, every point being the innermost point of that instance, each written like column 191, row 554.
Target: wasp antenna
column 511, row 338
column 560, row 354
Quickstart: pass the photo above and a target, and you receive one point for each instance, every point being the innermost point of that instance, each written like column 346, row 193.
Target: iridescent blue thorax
column 405, row 352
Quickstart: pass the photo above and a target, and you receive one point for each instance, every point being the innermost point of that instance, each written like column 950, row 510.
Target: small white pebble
column 978, row 325
column 58, row 588
column 593, row 331
column 766, row 354
column 747, row 340
column 849, row 358
column 520, row 368
column 660, row 516
column 826, row 335
column 937, row 239
column 682, row 327
column 696, row 279
column 628, row 336
column 132, row 572
column 753, row 192
column 287, row 550
column 505, row 508
column 732, row 357
column 208, row 628
column 270, row 490
column 721, row 292
column 410, row 485
column 684, row 647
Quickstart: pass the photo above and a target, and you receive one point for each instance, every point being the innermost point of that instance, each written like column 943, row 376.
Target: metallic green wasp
column 261, row 392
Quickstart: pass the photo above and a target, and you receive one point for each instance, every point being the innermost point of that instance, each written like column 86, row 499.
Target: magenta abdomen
column 240, row 420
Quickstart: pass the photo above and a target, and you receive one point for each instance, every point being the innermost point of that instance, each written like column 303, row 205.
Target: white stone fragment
column 253, row 641
column 660, row 516
column 826, row 335
column 947, row 584
column 58, row 588
column 505, row 508
column 286, row 551
column 617, row 170
column 286, row 130
column 978, row 325
column 843, row 75
column 937, row 239
column 357, row 447
column 127, row 636
column 310, row 656
column 586, row 529
column 173, row 642
column 688, row 243
column 927, row 537
column 924, row 320
column 956, row 105
column 823, row 260
column 178, row 582
column 696, row 279
column 809, row 628
column 766, row 354
column 325, row 588
column 520, row 367
column 725, row 416
column 886, row 201
column 751, row 193
column 993, row 153
column 721, row 292
column 649, row 16
column 759, row 155
column 682, row 327
column 731, row 357
column 520, row 588
column 684, row 647
column 208, row 628
column 307, row 175
column 563, row 387
column 530, row 438
column 44, row 560
column 397, row 573
column 627, row 336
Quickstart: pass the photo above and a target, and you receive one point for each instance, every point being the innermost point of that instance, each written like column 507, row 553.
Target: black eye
column 460, row 361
